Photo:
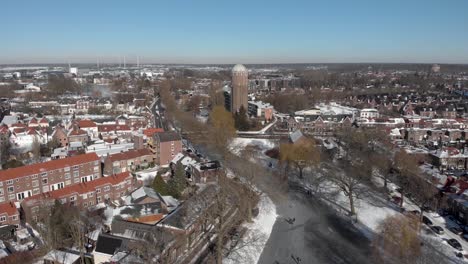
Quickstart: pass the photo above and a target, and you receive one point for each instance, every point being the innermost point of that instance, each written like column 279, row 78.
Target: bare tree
column 36, row 148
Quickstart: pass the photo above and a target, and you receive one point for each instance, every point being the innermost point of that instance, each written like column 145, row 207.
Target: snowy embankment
column 237, row 145
column 251, row 245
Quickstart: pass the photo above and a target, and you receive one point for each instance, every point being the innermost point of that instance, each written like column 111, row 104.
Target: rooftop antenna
column 124, row 62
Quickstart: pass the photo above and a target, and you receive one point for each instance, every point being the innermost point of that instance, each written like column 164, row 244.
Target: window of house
column 106, row 188
column 75, row 167
column 35, row 183
column 66, row 169
column 15, row 217
column 63, row 200
column 99, row 199
column 2, row 199
column 67, row 175
column 9, row 182
column 2, row 218
column 98, row 190
column 73, row 198
column 1, row 184
column 85, row 204
column 45, row 181
column 34, row 176
column 36, row 191
column 11, row 189
column 76, row 173
column 44, row 174
column 11, row 196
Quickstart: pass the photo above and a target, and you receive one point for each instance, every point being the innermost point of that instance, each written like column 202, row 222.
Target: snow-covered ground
column 237, row 145
column 147, row 175
column 258, row 232
column 251, row 245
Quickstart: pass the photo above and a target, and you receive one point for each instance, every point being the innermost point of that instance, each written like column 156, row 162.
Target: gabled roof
column 168, row 136
column 109, row 245
column 44, row 121
column 85, row 123
column 109, row 128
column 33, row 121
column 82, row 188
column 149, row 132
column 77, row 132
column 47, row 166
column 8, row 208
column 131, row 154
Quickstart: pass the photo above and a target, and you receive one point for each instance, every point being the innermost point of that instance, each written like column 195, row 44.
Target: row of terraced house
column 75, row 180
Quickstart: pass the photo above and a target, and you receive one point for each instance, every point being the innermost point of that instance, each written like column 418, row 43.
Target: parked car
column 456, row 230
column 453, row 219
column 465, row 236
column 443, row 212
column 437, row 229
column 427, row 208
column 426, row 220
column 416, row 212
column 455, row 244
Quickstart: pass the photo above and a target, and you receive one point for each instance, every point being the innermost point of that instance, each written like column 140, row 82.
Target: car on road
column 426, row 220
column 456, row 230
column 455, row 244
column 437, row 229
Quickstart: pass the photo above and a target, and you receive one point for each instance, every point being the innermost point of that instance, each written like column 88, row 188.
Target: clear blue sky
column 220, row 31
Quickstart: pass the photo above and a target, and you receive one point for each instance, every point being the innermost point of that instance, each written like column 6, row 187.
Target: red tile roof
column 77, row 132
column 46, row 166
column 9, row 209
column 18, row 125
column 108, row 128
column 149, row 219
column 84, row 187
column 33, row 121
column 86, row 123
column 4, row 129
column 44, row 121
column 19, row 130
column 131, row 154
column 149, row 132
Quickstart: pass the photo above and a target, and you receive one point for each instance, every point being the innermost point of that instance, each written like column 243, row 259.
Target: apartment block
column 83, row 195
column 19, row 183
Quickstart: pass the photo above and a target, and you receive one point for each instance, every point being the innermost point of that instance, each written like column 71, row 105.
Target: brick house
column 9, row 215
column 114, row 130
column 78, row 135
column 19, row 183
column 83, row 195
column 60, row 135
column 205, row 171
column 450, row 158
column 127, row 161
column 4, row 135
column 89, row 126
column 166, row 145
